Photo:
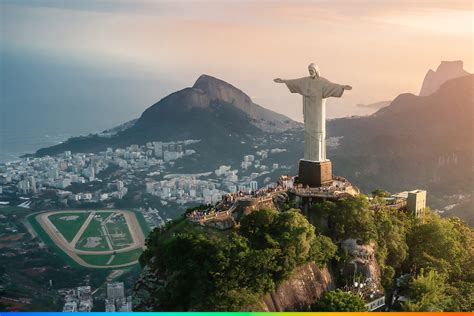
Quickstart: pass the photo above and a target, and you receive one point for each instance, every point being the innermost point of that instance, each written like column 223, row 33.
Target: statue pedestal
column 315, row 173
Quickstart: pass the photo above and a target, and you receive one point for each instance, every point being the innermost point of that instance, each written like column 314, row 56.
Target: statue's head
column 313, row 70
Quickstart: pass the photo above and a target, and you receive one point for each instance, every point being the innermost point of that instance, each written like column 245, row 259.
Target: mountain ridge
column 446, row 70
column 416, row 142
column 208, row 91
column 211, row 109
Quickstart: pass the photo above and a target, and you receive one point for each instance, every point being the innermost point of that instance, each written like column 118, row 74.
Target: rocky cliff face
column 208, row 95
column 362, row 262
column 145, row 287
column 304, row 287
column 266, row 120
column 447, row 70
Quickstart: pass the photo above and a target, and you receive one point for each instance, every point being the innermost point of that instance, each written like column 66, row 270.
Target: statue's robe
column 314, row 92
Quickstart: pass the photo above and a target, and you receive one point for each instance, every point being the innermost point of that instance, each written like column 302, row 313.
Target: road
column 81, row 230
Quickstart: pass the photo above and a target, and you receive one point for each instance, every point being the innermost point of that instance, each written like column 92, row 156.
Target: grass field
column 119, row 232
column 48, row 241
column 126, row 257
column 68, row 228
column 103, row 215
column 117, row 229
column 93, row 230
column 100, row 260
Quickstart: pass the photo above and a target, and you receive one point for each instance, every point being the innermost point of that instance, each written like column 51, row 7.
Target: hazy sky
column 381, row 48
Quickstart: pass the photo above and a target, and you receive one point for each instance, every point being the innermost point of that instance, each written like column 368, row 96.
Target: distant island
column 376, row 105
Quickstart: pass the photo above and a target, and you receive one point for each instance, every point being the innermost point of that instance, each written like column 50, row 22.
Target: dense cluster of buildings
column 30, row 176
column 208, row 188
column 78, row 299
column 153, row 216
column 184, row 189
column 116, row 300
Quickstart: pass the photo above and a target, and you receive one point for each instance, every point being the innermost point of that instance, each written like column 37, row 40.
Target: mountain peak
column 218, row 89
column 210, row 94
column 446, row 70
column 207, row 79
column 450, row 65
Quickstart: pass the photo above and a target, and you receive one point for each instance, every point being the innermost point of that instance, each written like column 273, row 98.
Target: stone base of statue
column 315, row 173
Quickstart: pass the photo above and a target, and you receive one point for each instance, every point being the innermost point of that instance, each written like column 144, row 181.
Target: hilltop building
column 415, row 201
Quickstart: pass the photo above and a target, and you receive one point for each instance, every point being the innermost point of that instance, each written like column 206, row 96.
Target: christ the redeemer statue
column 314, row 90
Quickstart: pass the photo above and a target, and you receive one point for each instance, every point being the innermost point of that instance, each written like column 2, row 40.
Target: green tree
column 466, row 239
column 290, row 235
column 288, row 205
column 339, row 301
column 256, row 227
column 209, row 270
column 352, row 218
column 380, row 193
column 320, row 216
column 194, row 263
column 442, row 244
column 387, row 278
column 391, row 229
column 323, row 250
column 427, row 293
column 462, row 296
column 296, row 240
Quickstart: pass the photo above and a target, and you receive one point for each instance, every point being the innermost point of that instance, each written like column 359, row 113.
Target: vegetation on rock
column 205, row 270
column 427, row 293
column 428, row 249
column 339, row 301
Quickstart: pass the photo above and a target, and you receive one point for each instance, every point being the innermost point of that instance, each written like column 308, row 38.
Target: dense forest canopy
column 232, row 270
column 208, row 269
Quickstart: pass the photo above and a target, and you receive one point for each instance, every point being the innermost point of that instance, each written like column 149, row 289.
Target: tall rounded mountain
column 210, row 106
column 212, row 110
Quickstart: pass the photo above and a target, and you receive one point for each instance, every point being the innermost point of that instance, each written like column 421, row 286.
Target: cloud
column 436, row 20
column 369, row 44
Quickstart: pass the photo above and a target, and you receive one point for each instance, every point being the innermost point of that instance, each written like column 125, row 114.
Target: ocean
column 44, row 101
